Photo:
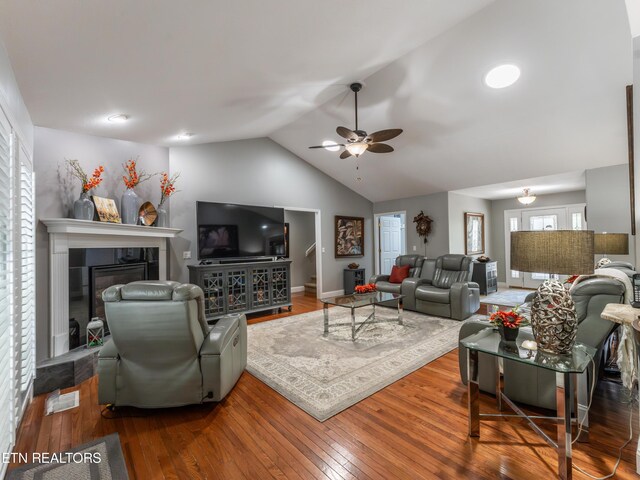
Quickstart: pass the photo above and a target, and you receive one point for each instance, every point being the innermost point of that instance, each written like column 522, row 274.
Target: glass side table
column 566, row 367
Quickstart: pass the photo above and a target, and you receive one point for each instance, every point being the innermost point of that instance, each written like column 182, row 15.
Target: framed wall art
column 474, row 233
column 349, row 236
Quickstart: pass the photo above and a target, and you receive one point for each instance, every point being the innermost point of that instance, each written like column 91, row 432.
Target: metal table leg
column 473, row 393
column 499, row 384
column 564, row 400
column 353, row 324
column 325, row 311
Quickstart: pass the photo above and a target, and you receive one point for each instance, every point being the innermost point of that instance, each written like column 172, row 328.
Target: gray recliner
column 626, row 267
column 382, row 281
column 536, row 386
column 162, row 352
column 449, row 292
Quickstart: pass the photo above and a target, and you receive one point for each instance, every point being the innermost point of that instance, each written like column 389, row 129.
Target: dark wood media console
column 245, row 287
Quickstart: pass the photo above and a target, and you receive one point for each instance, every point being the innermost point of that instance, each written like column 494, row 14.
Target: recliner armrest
column 379, row 278
column 108, row 351
column 465, row 299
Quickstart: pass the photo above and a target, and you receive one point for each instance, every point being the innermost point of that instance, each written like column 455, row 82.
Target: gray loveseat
column 440, row 287
column 162, row 352
column 536, row 386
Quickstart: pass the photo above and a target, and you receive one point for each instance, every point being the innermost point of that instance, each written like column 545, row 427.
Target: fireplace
column 91, row 271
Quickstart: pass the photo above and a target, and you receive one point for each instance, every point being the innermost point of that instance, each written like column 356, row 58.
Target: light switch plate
column 322, row 249
column 186, row 255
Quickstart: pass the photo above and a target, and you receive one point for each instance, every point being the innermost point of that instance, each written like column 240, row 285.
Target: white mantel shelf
column 89, row 227
column 68, row 233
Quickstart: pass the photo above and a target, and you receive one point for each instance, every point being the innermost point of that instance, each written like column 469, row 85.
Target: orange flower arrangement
column 367, row 288
column 167, row 186
column 134, row 177
column 88, row 183
column 510, row 319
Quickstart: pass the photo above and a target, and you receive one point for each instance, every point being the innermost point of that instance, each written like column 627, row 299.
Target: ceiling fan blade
column 329, row 146
column 344, row 132
column 380, row 148
column 383, row 135
column 345, row 154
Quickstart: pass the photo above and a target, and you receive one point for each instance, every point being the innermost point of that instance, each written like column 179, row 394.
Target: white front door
column 391, row 241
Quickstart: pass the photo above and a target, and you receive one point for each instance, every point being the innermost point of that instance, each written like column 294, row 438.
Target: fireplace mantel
column 67, row 233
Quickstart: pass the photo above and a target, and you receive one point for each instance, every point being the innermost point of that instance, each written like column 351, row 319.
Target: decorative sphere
column 553, row 318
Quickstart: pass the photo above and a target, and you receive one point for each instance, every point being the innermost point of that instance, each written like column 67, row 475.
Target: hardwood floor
column 414, row 429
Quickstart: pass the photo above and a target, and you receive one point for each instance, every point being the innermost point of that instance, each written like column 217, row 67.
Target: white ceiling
column 561, row 182
column 223, row 70
column 250, row 68
column 566, row 113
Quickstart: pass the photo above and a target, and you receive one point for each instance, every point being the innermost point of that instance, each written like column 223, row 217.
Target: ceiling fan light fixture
column 527, row 198
column 356, row 148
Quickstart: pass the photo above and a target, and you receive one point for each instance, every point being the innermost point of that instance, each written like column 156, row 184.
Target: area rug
column 510, row 297
column 325, row 375
column 98, row 460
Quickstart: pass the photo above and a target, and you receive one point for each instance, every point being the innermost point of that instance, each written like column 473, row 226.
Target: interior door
column 390, row 242
column 536, row 220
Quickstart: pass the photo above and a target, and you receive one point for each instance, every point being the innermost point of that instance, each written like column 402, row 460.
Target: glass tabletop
column 361, row 300
column 489, row 341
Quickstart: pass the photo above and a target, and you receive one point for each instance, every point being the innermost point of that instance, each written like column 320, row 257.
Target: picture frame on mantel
column 349, row 236
column 106, row 209
column 473, row 233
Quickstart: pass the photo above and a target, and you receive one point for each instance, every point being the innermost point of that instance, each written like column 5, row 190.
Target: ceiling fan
column 358, row 141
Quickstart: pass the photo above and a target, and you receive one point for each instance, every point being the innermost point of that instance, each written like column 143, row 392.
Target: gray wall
column 302, row 234
column 261, row 172
column 497, row 224
column 458, row 206
column 436, row 207
column 53, row 194
column 636, row 126
column 608, row 208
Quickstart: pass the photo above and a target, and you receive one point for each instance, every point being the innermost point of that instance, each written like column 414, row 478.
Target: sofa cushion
column 388, row 287
column 428, row 293
column 398, row 274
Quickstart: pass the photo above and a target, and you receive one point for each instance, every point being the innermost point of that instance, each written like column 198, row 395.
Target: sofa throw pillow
column 398, row 274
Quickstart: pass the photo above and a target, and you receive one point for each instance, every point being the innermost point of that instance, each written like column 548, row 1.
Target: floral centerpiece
column 367, row 288
column 83, row 208
column 167, row 188
column 508, row 323
column 129, row 202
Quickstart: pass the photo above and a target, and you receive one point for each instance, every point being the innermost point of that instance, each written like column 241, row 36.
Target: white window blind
column 27, row 275
column 7, row 359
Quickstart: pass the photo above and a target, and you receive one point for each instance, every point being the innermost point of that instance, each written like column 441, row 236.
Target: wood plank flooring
column 413, row 429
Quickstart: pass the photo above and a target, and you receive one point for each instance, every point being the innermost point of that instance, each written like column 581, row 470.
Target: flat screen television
column 227, row 230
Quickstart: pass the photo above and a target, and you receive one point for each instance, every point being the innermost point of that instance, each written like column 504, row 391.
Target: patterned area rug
column 510, row 297
column 325, row 375
column 98, row 460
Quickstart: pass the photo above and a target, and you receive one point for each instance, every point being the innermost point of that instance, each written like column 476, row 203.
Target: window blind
column 7, row 367
column 27, row 276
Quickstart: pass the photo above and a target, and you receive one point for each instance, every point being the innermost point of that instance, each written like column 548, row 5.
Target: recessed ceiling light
column 502, row 76
column 330, row 145
column 118, row 118
column 185, row 136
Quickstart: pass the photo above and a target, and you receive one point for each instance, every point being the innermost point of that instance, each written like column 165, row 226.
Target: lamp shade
column 565, row 252
column 611, row 243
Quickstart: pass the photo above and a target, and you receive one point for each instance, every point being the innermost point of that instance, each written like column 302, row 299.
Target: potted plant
column 508, row 323
column 167, row 188
column 364, row 289
column 83, row 208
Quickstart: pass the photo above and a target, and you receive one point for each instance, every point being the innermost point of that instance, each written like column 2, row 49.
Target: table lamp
column 610, row 243
column 566, row 252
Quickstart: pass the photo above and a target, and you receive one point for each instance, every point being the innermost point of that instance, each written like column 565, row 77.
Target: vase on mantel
column 129, row 207
column 163, row 216
column 83, row 208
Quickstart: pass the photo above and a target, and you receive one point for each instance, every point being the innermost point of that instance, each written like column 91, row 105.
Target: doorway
column 390, row 239
column 305, row 247
column 568, row 217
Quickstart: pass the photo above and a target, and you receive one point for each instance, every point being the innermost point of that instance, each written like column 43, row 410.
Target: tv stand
column 243, row 286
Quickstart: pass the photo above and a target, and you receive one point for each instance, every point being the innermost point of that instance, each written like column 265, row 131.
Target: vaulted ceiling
column 250, row 68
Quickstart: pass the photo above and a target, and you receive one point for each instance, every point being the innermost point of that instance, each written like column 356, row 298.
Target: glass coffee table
column 356, row 301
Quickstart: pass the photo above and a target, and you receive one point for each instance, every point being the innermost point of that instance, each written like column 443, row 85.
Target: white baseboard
column 334, row 293
column 297, row 289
